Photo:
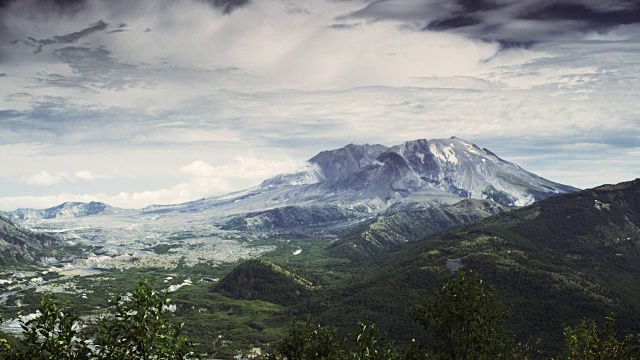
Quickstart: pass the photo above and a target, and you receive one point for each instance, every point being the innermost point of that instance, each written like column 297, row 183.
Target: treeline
column 464, row 320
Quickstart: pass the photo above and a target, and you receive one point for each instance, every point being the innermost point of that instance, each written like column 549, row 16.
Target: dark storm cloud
column 44, row 6
column 514, row 23
column 64, row 39
column 93, row 69
column 227, row 6
column 75, row 6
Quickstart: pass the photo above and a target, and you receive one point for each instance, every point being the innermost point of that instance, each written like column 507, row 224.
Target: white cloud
column 87, row 175
column 242, row 167
column 183, row 192
column 204, row 180
column 199, row 169
column 43, row 178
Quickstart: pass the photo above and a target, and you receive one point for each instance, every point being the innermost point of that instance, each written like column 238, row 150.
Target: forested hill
column 553, row 262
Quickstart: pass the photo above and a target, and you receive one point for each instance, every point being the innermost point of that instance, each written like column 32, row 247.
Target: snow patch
column 470, row 147
column 446, row 155
column 450, row 155
column 434, row 150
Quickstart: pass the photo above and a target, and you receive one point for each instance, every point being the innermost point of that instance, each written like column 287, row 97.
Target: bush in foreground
column 138, row 328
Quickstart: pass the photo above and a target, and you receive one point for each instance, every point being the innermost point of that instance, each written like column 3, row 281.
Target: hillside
column 266, row 281
column 294, row 217
column 409, row 221
column 554, row 262
column 19, row 245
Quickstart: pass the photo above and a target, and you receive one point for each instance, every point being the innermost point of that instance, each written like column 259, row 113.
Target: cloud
column 42, row 178
column 510, row 22
column 199, row 169
column 88, row 175
column 64, row 39
column 203, row 180
column 242, row 167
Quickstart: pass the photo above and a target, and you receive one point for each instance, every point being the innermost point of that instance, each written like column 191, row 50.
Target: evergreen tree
column 307, row 342
column 465, row 320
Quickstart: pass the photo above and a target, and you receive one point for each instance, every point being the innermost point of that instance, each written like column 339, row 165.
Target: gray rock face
column 340, row 163
column 18, row 244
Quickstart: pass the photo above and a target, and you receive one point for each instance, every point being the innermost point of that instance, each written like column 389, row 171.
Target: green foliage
column 139, row 329
column 53, row 334
column 465, row 319
column 370, row 346
column 308, row 342
column 588, row 341
column 264, row 280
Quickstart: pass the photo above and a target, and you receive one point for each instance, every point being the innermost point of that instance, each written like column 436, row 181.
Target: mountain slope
column 288, row 217
column 409, row 221
column 439, row 171
column 554, row 262
column 64, row 210
column 18, row 244
column 266, row 281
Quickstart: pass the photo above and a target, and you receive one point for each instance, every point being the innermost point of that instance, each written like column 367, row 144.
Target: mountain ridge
column 64, row 210
column 439, row 171
column 19, row 245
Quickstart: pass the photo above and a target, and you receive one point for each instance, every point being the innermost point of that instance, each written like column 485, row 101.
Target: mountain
column 440, row 171
column 441, row 167
column 554, row 262
column 64, row 210
column 375, row 197
column 19, row 245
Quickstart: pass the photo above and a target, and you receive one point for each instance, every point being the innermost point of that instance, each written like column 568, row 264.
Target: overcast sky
column 163, row 101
